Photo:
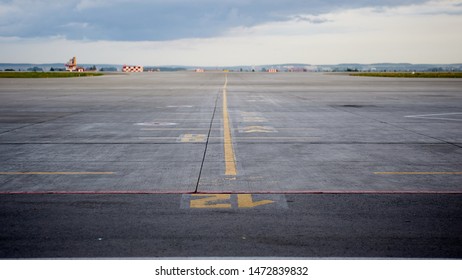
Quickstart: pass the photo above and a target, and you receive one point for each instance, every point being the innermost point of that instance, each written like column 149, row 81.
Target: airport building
column 132, row 69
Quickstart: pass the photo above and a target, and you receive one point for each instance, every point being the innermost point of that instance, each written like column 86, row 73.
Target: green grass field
column 410, row 75
column 46, row 74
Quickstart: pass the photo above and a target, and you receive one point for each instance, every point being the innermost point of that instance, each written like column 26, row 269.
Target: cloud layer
column 147, row 20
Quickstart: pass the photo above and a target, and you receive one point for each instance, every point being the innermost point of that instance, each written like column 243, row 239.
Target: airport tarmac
column 231, row 164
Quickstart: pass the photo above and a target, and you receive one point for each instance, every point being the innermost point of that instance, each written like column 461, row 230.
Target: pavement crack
column 207, row 142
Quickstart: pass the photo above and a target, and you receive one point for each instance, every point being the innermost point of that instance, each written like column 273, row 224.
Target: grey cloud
column 140, row 20
column 310, row 19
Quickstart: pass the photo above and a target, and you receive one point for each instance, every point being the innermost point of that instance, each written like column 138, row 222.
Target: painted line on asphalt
column 157, row 138
column 174, row 129
column 418, row 173
column 301, row 192
column 338, row 192
column 227, row 139
column 89, row 192
column 55, row 173
column 233, row 201
column 437, row 116
column 177, row 120
column 192, row 138
column 196, row 128
column 269, row 137
column 257, row 129
column 230, row 158
column 251, row 138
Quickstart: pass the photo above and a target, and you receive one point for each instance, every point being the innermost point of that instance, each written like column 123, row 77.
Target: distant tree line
column 35, row 69
column 108, row 69
column 57, row 69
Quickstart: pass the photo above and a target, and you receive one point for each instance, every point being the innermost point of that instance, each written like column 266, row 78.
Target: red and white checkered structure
column 127, row 68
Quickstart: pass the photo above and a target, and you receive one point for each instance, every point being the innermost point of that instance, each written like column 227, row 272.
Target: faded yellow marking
column 178, row 120
column 252, row 114
column 56, row 173
column 192, row 138
column 246, row 201
column 174, row 129
column 276, row 138
column 209, row 201
column 157, row 138
column 418, row 173
column 258, row 129
column 255, row 119
column 230, row 159
column 226, row 201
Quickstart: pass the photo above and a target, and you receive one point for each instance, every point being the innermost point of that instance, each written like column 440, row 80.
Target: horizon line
column 244, row 65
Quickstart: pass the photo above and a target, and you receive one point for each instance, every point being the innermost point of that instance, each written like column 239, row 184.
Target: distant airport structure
column 71, row 65
column 128, row 68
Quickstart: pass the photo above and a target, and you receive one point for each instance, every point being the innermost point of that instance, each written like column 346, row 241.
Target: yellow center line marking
column 418, row 173
column 56, row 173
column 230, row 159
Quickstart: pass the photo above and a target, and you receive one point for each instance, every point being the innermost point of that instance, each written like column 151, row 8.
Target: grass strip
column 46, row 74
column 411, row 75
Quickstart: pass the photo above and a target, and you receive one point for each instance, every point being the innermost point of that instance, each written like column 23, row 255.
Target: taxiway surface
column 231, row 164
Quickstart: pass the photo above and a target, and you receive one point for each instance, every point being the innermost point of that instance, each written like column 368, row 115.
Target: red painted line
column 90, row 192
column 140, row 192
column 333, row 192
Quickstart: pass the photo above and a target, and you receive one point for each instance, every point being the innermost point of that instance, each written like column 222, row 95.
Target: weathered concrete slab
column 290, row 132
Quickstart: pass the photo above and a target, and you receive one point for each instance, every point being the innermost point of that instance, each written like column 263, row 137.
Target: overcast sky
column 230, row 32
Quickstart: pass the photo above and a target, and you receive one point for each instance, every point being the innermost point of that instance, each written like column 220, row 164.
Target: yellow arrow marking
column 225, row 201
column 210, row 201
column 246, row 201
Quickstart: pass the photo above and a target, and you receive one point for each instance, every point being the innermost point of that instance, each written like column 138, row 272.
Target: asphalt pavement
column 231, row 165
